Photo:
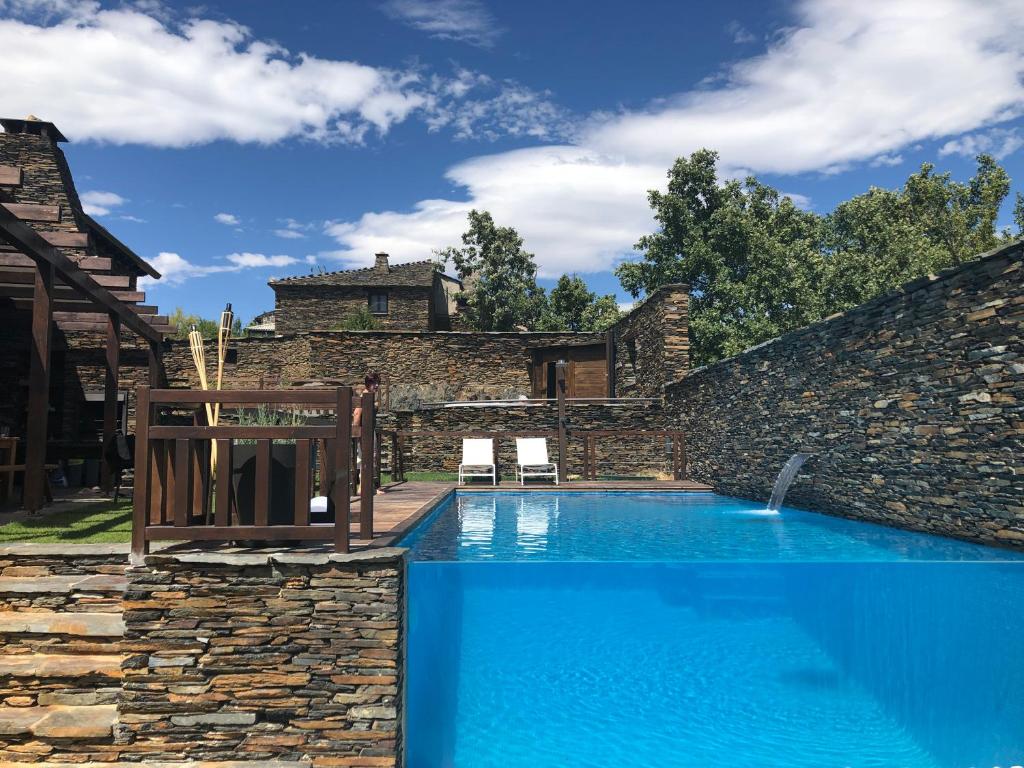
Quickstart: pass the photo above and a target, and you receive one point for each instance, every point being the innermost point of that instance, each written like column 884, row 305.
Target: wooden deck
column 402, row 505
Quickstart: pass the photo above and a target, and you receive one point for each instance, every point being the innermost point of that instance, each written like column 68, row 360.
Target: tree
column 758, row 266
column 571, row 306
column 752, row 259
column 182, row 322
column 360, row 320
column 499, row 276
column 877, row 241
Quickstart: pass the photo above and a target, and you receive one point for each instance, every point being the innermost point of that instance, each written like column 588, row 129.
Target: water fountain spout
column 785, row 479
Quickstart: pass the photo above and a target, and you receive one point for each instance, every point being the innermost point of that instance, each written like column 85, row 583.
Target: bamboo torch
column 227, row 317
column 195, row 343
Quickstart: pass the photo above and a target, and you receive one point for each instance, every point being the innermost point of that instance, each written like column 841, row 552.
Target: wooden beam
column 342, row 468
column 366, row 473
column 38, row 389
column 25, row 239
column 63, row 292
column 26, row 276
column 33, row 212
column 563, row 441
column 143, row 474
column 113, row 360
column 88, row 263
column 65, row 239
column 10, row 175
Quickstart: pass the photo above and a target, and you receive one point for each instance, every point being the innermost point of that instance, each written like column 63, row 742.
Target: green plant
column 360, row 320
column 264, row 416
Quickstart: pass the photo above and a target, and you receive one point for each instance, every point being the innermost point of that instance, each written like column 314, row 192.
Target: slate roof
column 411, row 274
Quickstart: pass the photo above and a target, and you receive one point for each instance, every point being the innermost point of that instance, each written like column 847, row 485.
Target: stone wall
column 257, row 656
column 626, row 455
column 302, row 307
column 652, row 343
column 913, row 405
column 437, row 365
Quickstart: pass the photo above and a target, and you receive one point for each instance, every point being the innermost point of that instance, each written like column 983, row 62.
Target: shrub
column 360, row 320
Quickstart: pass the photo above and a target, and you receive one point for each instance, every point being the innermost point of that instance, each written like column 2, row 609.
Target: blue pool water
column 666, row 630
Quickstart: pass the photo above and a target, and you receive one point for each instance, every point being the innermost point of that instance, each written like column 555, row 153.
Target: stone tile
column 60, row 722
column 49, row 623
column 60, row 665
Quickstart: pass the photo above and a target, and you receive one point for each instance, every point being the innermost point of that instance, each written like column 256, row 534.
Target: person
column 371, row 383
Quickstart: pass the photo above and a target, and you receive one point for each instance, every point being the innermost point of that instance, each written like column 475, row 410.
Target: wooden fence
column 180, row 496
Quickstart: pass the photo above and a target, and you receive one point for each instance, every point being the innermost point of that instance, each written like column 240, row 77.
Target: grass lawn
column 101, row 522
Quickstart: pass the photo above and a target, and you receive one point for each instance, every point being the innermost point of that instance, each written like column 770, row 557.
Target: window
column 379, row 302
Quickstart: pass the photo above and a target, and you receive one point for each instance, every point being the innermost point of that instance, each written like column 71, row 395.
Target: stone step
column 93, row 625
column 41, row 679
column 59, row 722
column 99, row 583
column 41, row 665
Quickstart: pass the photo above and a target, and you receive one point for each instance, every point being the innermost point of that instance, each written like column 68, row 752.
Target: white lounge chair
column 478, row 460
column 532, row 459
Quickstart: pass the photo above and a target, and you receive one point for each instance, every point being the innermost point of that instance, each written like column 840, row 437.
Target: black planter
column 282, row 483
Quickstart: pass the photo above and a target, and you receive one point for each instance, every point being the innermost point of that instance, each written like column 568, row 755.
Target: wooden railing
column 181, row 495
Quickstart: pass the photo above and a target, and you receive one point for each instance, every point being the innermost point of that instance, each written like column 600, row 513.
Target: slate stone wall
column 626, row 455
column 323, row 307
column 652, row 343
column 432, row 366
column 258, row 656
column 913, row 405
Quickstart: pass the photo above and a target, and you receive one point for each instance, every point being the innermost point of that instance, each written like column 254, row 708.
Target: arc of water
column 785, row 479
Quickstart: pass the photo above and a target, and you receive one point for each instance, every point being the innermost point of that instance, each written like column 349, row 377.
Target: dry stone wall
column 912, row 404
column 618, row 456
column 652, row 343
column 260, row 656
column 302, row 307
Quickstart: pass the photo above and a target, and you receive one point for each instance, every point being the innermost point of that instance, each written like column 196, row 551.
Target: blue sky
column 237, row 141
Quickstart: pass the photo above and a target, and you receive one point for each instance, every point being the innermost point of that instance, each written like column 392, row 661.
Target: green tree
column 571, row 306
column 182, row 322
column 877, row 241
column 360, row 320
column 499, row 275
column 752, row 259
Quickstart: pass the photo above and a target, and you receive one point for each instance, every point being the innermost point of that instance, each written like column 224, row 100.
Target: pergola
column 37, row 276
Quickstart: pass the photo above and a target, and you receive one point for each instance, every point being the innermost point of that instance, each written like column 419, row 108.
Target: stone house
column 415, row 296
column 36, row 185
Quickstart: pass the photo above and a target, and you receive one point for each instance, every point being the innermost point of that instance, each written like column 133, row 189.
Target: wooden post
column 609, row 353
column 110, row 395
column 367, row 452
column 38, row 388
column 562, row 418
column 342, row 477
column 143, row 468
column 157, row 377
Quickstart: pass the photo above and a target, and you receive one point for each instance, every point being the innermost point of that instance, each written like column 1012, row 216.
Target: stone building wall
column 438, row 366
column 912, row 404
column 323, row 307
column 262, row 657
column 652, row 343
column 620, row 456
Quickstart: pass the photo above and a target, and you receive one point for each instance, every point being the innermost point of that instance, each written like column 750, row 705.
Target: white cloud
column 467, row 21
column 479, row 107
column 849, row 83
column 175, row 269
column 740, row 34
column 293, row 230
column 228, row 219
column 248, row 260
column 137, row 78
column 998, row 142
column 98, row 203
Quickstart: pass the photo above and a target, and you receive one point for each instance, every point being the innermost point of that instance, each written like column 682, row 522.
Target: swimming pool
column 615, row 629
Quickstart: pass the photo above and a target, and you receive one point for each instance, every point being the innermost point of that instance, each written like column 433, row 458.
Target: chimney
column 34, row 126
column 381, row 262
